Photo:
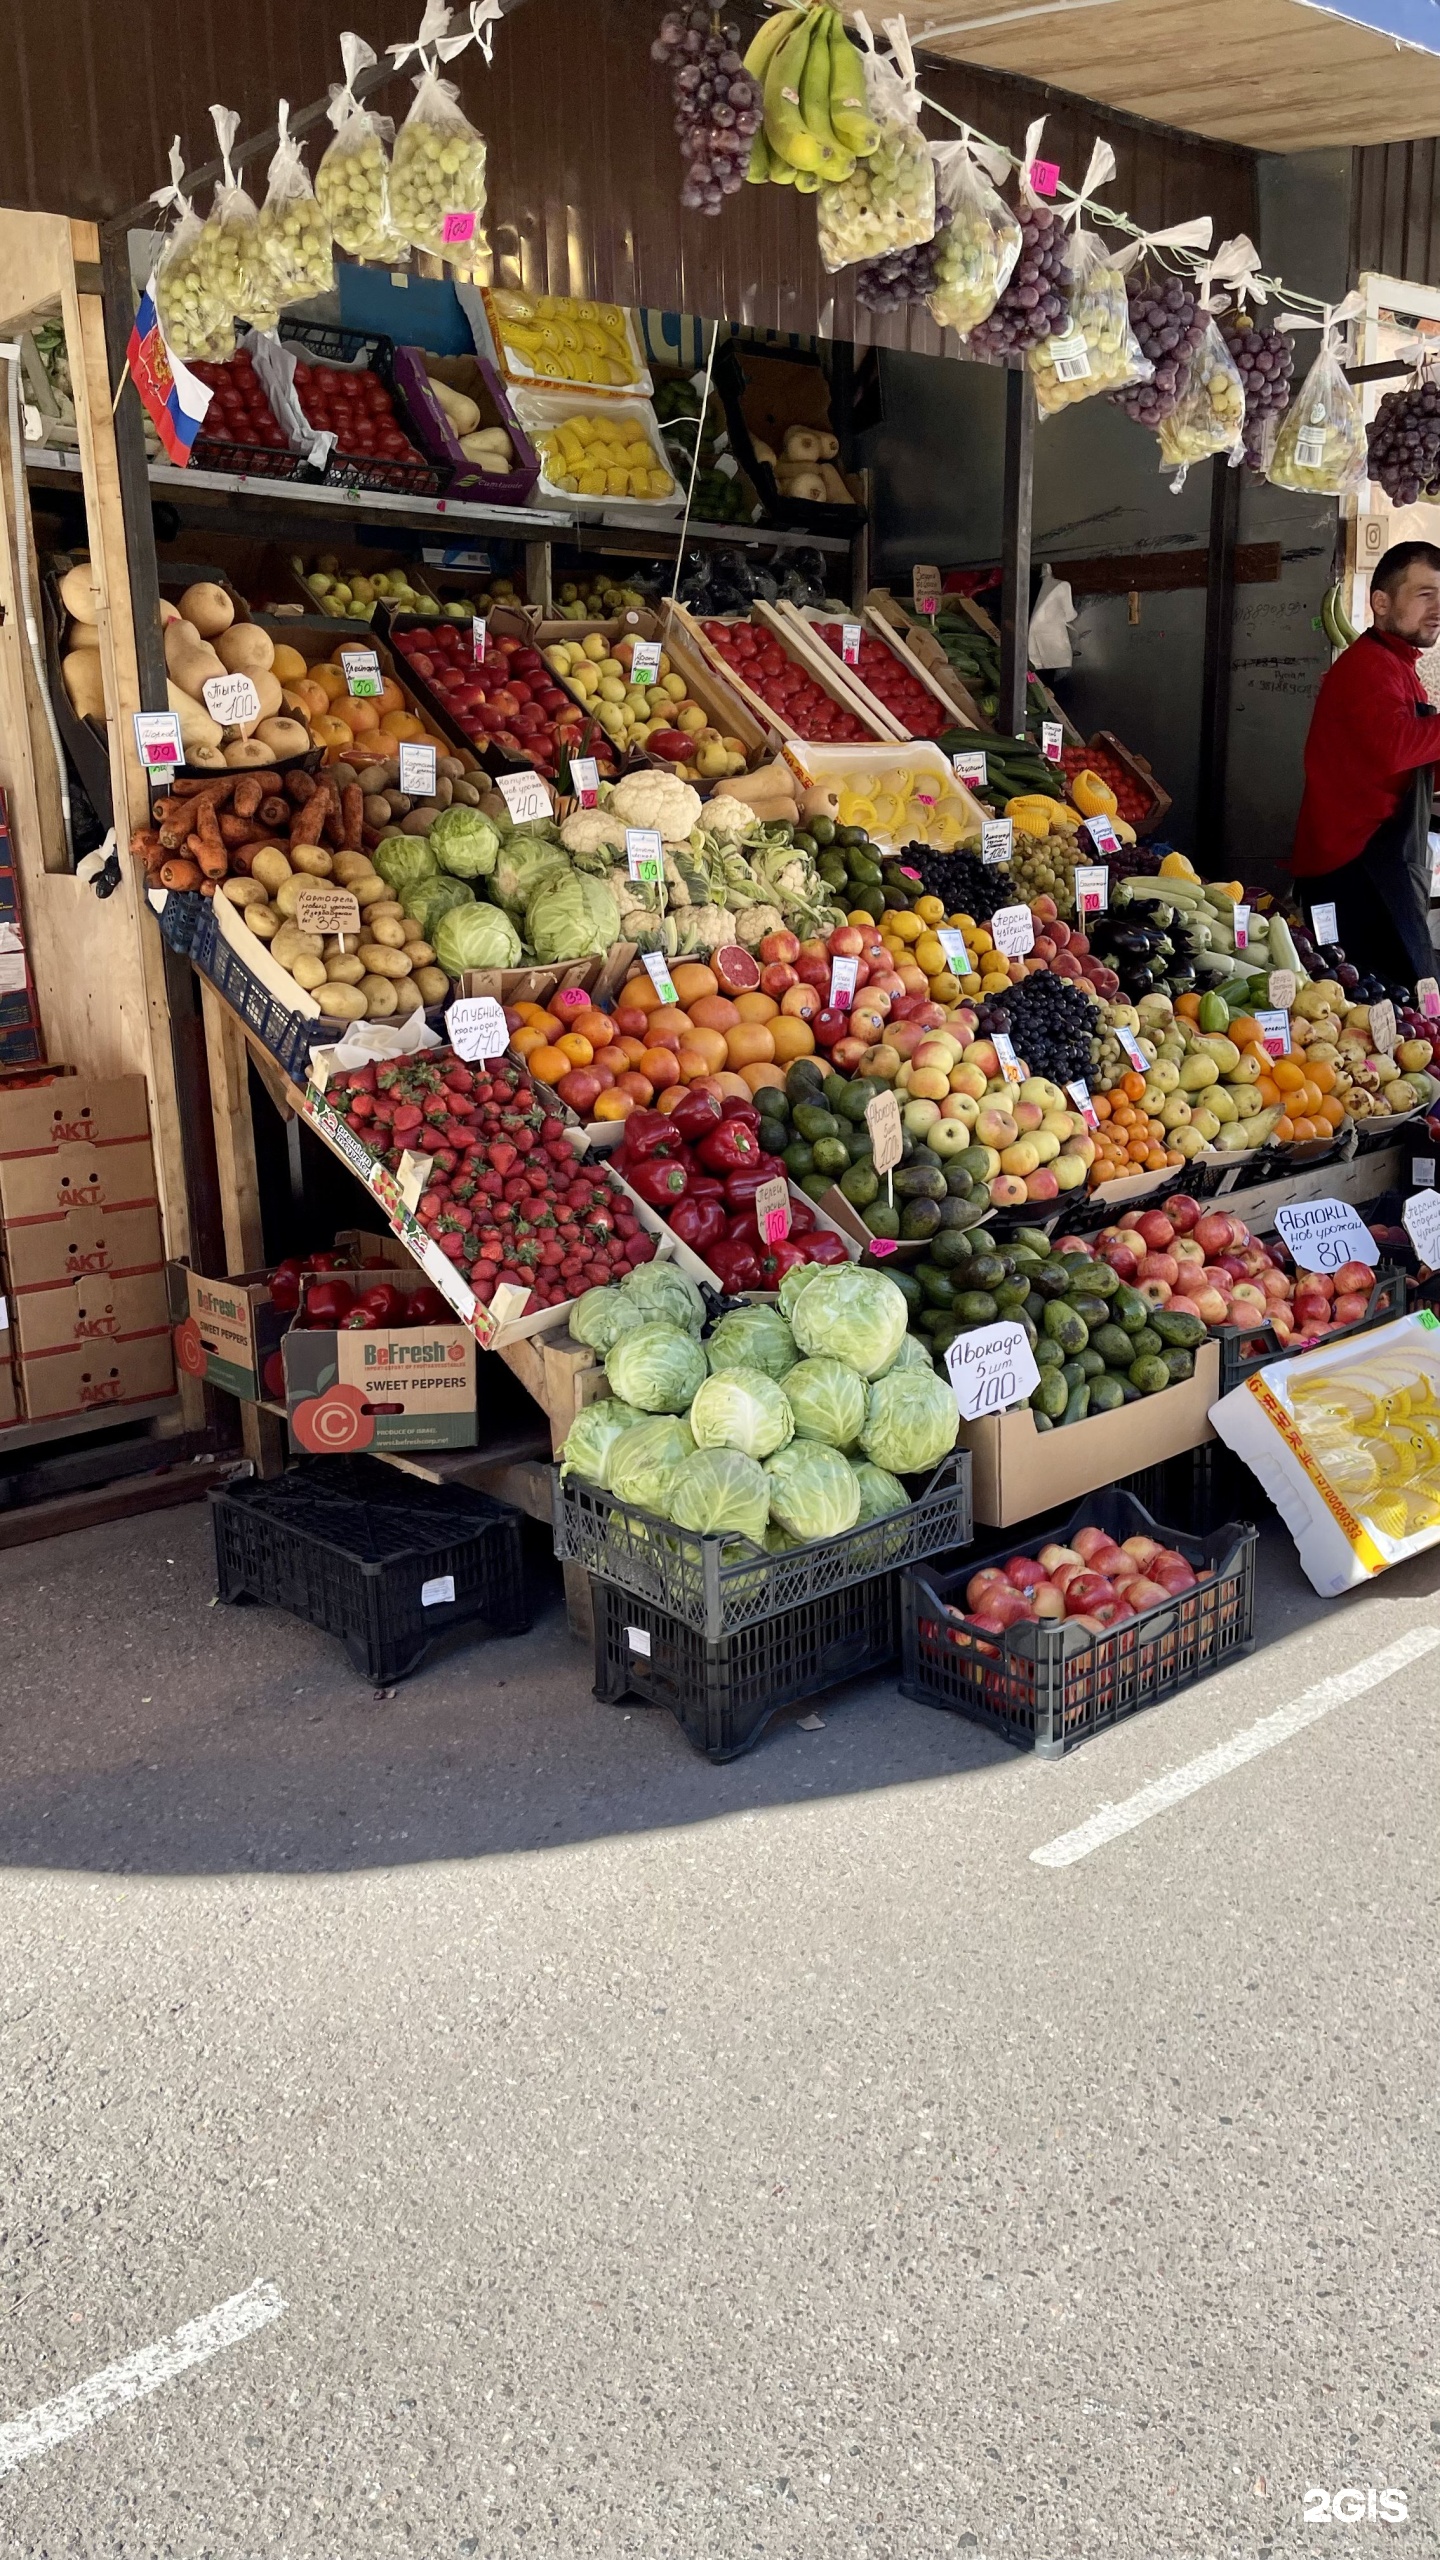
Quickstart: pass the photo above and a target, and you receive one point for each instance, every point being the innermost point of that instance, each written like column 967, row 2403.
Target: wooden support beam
column 228, row 1060
column 1119, row 573
column 1219, row 645
column 1017, row 507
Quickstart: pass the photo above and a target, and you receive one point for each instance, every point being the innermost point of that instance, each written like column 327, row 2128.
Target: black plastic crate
column 350, row 349
column 1046, row 1686
column 354, row 1548
column 723, row 1695
column 1246, row 1348
column 247, row 461
column 716, row 1586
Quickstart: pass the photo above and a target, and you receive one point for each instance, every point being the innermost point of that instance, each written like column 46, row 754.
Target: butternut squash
column 84, row 683
column 245, row 753
column 282, row 737
column 246, row 650
column 79, row 594
column 197, row 729
column 190, row 659
column 85, row 635
column 208, row 607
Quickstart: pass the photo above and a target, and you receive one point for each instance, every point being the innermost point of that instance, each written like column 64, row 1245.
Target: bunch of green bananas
column 1335, row 622
column 817, row 119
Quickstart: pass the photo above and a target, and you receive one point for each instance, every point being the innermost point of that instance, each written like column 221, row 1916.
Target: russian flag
column 175, row 397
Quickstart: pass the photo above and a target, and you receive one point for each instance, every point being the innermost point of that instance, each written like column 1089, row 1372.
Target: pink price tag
column 926, row 799
column 1043, row 177
column 881, row 1245
column 570, row 1000
column 457, row 228
column 772, row 1210
column 1429, row 994
column 777, row 1226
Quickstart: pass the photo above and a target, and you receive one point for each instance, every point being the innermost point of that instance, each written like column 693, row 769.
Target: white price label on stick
column 526, row 796
column 585, row 781
column 971, row 767
column 843, row 973
column 1241, row 916
column 1080, row 1095
column 1274, row 1023
column 361, row 670
column 1133, row 1051
column 1092, row 888
column 990, row 1369
column 417, row 769
column 1323, row 924
column 1421, row 1219
column 1102, row 836
column 1283, row 989
column 1422, row 1173
column 850, row 638
column 1004, row 1048
column 997, row 841
column 1052, row 740
column 657, row 970
column 476, row 1028
column 645, row 854
column 157, row 740
column 477, row 638
column 230, row 699
column 887, row 1138
column 1428, row 992
column 1321, row 1234
column 952, row 943
column 1012, row 930
column 645, row 662
column 1382, row 1026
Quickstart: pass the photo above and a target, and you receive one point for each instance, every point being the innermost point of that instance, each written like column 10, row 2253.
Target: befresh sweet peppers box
column 388, row 1387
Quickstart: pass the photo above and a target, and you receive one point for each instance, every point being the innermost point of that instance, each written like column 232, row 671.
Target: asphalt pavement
column 643, row 2160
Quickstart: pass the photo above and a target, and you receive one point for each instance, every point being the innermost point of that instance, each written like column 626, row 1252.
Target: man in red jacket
column 1362, row 839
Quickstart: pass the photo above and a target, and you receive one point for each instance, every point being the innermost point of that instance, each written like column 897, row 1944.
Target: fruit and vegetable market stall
column 725, row 1030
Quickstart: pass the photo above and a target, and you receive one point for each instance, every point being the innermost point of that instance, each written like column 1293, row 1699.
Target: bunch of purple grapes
column 1168, row 322
column 903, row 275
column 1035, row 300
column 1265, row 362
column 1403, row 443
column 718, row 104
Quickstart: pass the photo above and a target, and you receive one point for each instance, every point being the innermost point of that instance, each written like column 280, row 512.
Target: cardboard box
column 96, row 1309
column 9, row 1407
column 1019, row 1473
column 77, row 1111
column 96, row 1376
column 411, row 1389
column 225, row 1330
column 52, row 1251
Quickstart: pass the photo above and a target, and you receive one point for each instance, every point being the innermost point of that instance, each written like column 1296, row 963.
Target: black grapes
column 1036, row 299
column 1403, row 443
column 903, row 275
column 718, row 104
column 1166, row 317
column 1265, row 362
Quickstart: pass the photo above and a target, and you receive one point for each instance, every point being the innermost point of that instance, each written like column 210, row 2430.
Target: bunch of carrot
column 201, row 831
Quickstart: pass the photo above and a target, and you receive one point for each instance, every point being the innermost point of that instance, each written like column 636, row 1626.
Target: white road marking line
column 1113, row 1820
column 55, row 2421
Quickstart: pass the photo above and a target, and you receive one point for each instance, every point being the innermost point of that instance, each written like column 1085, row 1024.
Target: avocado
column 1032, row 1240
column 1092, row 1361
column 1094, row 1311
column 811, row 1121
column 1101, row 1280
column 909, row 1289
column 1079, row 1404
column 1115, row 1346
column 1146, row 1344
column 958, row 1183
column 1051, row 1396
column 1129, row 1309
column 975, row 1306
column 857, row 1095
column 919, row 1218
column 951, row 1247
column 1073, row 1374
column 1051, row 1280
column 1150, row 1375
column 1065, row 1326
column 1106, row 1394
column 1048, row 1354
column 1010, row 1295
column 1041, row 1421
column 831, row 1156
column 937, row 1287
column 798, row 1158
column 1181, row 1365
column 919, row 1182
column 988, row 1270
column 859, row 1182
column 1181, row 1332
column 883, row 1219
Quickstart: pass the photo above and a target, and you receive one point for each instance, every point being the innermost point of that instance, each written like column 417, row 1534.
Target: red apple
column 1275, row 1286
column 777, row 975
column 1182, row 1211
column 1353, row 1276
column 1215, row 1232
column 1024, row 1572
column 1160, row 1266
column 1105, row 1615
column 1005, row 1604
column 1174, row 1577
column 780, row 946
column 1156, row 1293
column 1185, row 1249
column 1086, row 1541
column 980, row 1582
column 1122, row 1261
column 1156, row 1229
column 1210, row 1306
column 1087, row 1591
column 1144, row 1550
column 1351, row 1308
column 1142, row 1593
column 1048, row 1602
column 1053, row 1555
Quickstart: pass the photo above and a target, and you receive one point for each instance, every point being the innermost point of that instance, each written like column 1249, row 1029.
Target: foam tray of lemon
column 1346, row 1442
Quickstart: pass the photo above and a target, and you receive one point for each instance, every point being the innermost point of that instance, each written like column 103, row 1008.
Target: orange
column 549, row 1064
column 1284, row 1127
column 576, row 1048
column 536, row 1014
column 755, row 1077
column 692, row 1063
column 792, row 1037
column 639, row 1088
column 730, row 1083
column 1133, row 1086
column 527, row 1039
column 1268, row 1091
column 749, row 1045
column 288, row 667
column 1288, row 1074
column 709, row 1045
column 1155, row 1160
column 389, row 697
column 1320, row 1072
column 669, row 1095
column 401, row 724
column 593, row 1025
column 753, row 1007
column 1188, row 1008
column 330, row 680
column 615, row 1105
column 1311, row 1096
column 714, row 1013
column 1244, row 1030
column 658, row 1065
column 1305, row 1127
column 668, row 1018
column 692, row 981
column 362, row 716
column 1332, row 1110
column 328, row 731
column 638, row 995
column 311, row 698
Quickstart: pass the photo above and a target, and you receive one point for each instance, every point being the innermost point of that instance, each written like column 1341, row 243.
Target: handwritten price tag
column 157, row 739
column 326, row 910
column 1012, row 930
column 1133, row 1051
column 882, row 1119
column 361, row 670
column 1004, row 1048
column 1081, row 1096
column 657, row 970
column 1275, row 1030
column 476, row 1028
column 952, row 943
column 417, row 770
column 1102, row 836
column 850, row 638
column 1092, row 888
column 772, row 1210
column 1323, row 924
column 585, row 779
column 1052, row 740
column 645, row 854
column 526, row 796
column 997, row 841
column 1321, row 1234
column 1421, row 1219
column 230, row 699
column 843, row 972
column 990, row 1369
column 645, row 662
column 926, row 588
column 971, row 767
column 1382, row 1025
column 457, row 229
column 1283, row 989
column 1242, row 928
column 1428, row 991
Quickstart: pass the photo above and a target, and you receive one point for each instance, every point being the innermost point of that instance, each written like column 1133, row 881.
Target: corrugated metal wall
column 1395, row 211
column 584, row 172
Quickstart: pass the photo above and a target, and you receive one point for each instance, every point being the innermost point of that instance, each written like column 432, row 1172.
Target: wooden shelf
column 73, row 1426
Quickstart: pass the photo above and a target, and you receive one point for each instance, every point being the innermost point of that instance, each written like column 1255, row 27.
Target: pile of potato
column 387, row 968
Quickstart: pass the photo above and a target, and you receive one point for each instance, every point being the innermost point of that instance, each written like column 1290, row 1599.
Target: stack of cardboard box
column 84, row 1266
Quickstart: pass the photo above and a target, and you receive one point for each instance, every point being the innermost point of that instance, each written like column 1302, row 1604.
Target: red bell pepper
column 802, row 1218
column 705, row 1186
column 741, row 1228
column 649, row 1133
column 659, row 1181
column 695, row 1115
column 698, row 1223
column 777, row 1259
column 740, row 1188
column 732, row 1108
column 736, row 1267
column 825, row 1246
column 728, row 1149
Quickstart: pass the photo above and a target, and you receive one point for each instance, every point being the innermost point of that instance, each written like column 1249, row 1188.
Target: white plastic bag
column 1096, row 349
column 193, row 315
column 1049, row 641
column 1209, row 415
column 353, row 179
column 1264, row 357
column 888, row 200
column 437, row 169
column 1165, row 315
column 1320, row 447
column 229, row 244
column 1035, row 297
column 977, row 245
column 294, row 234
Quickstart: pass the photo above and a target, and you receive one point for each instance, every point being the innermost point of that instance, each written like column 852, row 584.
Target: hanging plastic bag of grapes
column 353, row 179
column 1403, row 437
column 294, row 234
column 719, row 105
column 977, row 241
column 1097, row 350
column 1209, row 415
column 1320, row 447
column 437, row 169
column 1034, row 299
column 1264, row 357
column 193, row 313
column 229, row 248
column 1165, row 316
column 887, row 200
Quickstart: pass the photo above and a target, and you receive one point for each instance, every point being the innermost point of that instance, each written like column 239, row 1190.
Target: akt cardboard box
column 79, row 1148
column 96, row 1375
column 225, row 1330
column 95, row 1309
column 1019, row 1473
column 51, row 1252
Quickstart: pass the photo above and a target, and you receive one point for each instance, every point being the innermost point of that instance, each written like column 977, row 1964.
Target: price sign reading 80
column 1323, row 1234
column 990, row 1369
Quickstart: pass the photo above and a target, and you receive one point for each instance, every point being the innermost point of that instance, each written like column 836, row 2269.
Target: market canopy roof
column 1276, row 75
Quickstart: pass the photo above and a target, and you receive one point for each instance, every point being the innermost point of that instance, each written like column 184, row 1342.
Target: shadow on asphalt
column 145, row 1728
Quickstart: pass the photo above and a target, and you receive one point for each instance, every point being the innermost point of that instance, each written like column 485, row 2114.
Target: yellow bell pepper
column 1092, row 796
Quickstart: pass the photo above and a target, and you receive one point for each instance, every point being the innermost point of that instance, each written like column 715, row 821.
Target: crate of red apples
column 506, row 698
column 1250, row 1293
column 1110, row 1614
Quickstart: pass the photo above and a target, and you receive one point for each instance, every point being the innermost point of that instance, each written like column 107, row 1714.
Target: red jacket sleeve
column 1403, row 734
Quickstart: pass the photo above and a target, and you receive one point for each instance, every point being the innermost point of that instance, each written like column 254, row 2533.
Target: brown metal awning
column 1275, row 75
